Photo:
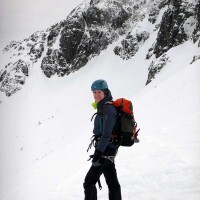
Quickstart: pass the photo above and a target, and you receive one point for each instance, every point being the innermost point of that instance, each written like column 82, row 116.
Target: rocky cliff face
column 13, row 77
column 180, row 22
column 87, row 31
column 68, row 45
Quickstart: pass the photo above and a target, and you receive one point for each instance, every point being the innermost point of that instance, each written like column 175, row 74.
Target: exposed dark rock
column 163, row 3
column 177, row 26
column 71, row 37
column 49, row 65
column 21, row 65
column 93, row 2
column 2, row 75
column 54, row 63
column 82, row 36
column 95, row 16
column 78, row 63
column 36, row 48
column 195, row 58
column 130, row 45
column 53, row 34
column 120, row 19
column 196, row 33
column 171, row 31
column 13, row 77
column 150, row 52
column 156, row 66
column 153, row 15
column 10, row 46
column 36, row 51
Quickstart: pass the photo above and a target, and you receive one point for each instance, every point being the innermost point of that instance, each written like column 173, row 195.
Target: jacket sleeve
column 109, row 120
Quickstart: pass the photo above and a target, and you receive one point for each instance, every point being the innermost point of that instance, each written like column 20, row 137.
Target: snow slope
column 45, row 130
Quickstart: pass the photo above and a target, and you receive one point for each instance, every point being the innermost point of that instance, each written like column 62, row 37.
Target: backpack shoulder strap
column 107, row 103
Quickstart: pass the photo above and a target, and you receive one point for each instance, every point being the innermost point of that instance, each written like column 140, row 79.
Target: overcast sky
column 20, row 18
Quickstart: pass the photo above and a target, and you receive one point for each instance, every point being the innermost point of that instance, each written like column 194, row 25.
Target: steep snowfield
column 45, row 130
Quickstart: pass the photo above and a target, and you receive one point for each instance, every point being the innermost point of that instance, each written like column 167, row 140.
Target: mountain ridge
column 91, row 27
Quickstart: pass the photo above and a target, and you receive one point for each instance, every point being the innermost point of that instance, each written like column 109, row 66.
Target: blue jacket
column 104, row 123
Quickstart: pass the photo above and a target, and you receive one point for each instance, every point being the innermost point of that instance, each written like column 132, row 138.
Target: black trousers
column 108, row 170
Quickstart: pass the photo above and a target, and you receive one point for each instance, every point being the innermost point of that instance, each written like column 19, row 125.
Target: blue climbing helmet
column 99, row 85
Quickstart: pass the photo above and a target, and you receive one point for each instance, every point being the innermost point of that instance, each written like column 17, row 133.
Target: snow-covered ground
column 45, row 129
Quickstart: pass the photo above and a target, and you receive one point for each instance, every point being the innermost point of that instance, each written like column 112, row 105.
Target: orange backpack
column 125, row 131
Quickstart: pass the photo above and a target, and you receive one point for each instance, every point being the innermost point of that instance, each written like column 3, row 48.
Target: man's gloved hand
column 96, row 161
